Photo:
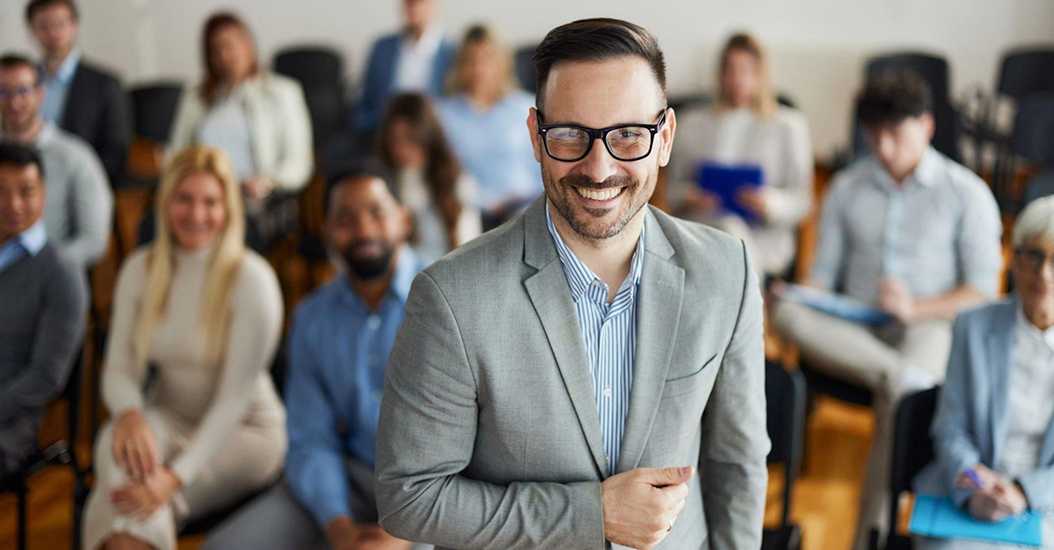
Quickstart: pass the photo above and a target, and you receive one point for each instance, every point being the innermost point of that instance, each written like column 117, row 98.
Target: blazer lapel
column 1001, row 362
column 658, row 314
column 551, row 296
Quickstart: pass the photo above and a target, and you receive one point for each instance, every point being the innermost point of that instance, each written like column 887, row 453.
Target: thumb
column 660, row 477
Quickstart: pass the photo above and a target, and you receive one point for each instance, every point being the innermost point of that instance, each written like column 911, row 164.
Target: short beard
column 559, row 196
column 369, row 269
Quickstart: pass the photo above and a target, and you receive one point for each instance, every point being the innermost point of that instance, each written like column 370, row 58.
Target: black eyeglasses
column 1033, row 259
column 625, row 142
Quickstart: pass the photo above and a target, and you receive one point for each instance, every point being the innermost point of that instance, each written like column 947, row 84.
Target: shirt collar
column 66, row 69
column 925, row 174
column 409, row 264
column 34, row 238
column 1026, row 326
column 429, row 42
column 579, row 276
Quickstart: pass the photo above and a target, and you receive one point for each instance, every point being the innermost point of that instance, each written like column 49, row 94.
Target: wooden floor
column 825, row 496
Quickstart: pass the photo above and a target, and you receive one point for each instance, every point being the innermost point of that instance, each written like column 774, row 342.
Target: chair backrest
column 912, row 446
column 523, row 62
column 313, row 66
column 785, row 395
column 933, row 69
column 154, row 109
column 1033, row 135
column 1027, row 71
column 319, row 70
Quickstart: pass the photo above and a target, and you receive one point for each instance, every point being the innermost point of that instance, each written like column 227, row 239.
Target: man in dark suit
column 416, row 58
column 81, row 98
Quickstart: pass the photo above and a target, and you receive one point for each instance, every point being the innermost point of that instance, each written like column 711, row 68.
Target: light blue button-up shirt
column 610, row 334
column 29, row 242
column 57, row 87
column 338, row 351
column 938, row 229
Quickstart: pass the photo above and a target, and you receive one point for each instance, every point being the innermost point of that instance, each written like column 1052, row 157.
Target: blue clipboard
column 725, row 180
column 835, row 304
column 939, row 517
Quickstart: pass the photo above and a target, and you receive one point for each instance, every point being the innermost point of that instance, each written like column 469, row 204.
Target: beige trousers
column 251, row 458
column 874, row 358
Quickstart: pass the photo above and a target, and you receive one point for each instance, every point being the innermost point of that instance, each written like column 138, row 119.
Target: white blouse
column 1031, row 397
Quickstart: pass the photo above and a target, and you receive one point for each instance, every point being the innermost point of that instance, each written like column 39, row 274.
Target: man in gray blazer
column 556, row 383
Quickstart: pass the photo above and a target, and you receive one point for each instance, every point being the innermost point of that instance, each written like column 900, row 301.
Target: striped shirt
column 610, row 334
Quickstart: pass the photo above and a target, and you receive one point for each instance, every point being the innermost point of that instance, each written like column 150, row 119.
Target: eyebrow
column 648, row 121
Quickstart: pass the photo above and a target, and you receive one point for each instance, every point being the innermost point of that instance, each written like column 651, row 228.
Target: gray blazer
column 489, row 434
column 973, row 419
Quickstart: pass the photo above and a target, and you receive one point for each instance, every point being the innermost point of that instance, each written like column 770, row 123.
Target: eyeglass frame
column 601, row 134
column 1027, row 256
column 20, row 92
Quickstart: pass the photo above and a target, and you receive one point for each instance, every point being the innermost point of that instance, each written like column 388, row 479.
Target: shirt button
column 373, row 321
column 607, row 392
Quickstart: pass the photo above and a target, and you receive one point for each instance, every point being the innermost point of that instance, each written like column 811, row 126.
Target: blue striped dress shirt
column 610, row 334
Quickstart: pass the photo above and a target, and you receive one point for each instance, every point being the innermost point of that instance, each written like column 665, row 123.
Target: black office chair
column 912, row 451
column 154, row 109
column 523, row 62
column 949, row 127
column 823, row 384
column 785, row 394
column 60, row 453
column 319, row 70
column 1033, row 141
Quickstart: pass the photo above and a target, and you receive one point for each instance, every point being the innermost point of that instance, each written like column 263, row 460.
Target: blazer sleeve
column 1039, row 489
column 114, row 132
column 426, row 438
column 367, row 115
column 953, row 439
column 296, row 161
column 735, row 441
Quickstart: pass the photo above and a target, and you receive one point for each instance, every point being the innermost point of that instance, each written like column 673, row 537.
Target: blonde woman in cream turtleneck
column 746, row 125
column 198, row 317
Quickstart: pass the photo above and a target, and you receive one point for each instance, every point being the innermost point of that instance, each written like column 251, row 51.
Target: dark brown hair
column 14, row 61
column 210, row 87
column 36, row 5
column 442, row 168
column 597, row 40
column 892, row 96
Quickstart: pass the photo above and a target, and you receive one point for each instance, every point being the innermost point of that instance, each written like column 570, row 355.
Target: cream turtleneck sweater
column 214, row 396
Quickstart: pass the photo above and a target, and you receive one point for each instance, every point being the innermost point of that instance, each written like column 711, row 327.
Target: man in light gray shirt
column 911, row 233
column 79, row 208
column 593, row 370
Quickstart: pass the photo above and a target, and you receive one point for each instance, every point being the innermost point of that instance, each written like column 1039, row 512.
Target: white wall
column 818, row 46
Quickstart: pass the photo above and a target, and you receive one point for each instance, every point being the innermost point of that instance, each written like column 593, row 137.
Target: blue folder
column 939, row 517
column 834, row 304
column 725, row 180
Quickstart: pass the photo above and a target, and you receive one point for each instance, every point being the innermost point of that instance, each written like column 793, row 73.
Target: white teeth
column 599, row 194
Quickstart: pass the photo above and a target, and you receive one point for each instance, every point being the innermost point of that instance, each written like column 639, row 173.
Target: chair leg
column 79, row 496
column 22, row 494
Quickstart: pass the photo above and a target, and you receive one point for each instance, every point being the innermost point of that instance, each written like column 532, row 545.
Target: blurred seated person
column 338, row 350
column 915, row 236
column 484, row 120
column 43, row 306
column 195, row 421
column 427, row 177
column 415, row 59
column 82, row 98
column 78, row 211
column 258, row 118
column 994, row 412
column 747, row 126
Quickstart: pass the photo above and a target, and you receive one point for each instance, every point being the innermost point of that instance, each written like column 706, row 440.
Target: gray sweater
column 43, row 306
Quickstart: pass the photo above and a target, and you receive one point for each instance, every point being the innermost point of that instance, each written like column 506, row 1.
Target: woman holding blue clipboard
column 993, row 435
column 744, row 164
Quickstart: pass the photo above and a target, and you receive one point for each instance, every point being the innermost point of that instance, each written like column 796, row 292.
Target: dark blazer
column 97, row 111
column 379, row 81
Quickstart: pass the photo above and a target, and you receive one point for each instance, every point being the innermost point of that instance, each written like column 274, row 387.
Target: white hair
column 1037, row 220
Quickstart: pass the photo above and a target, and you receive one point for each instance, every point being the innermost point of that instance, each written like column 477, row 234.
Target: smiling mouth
column 600, row 195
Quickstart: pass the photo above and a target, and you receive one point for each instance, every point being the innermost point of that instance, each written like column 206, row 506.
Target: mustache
column 585, row 182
